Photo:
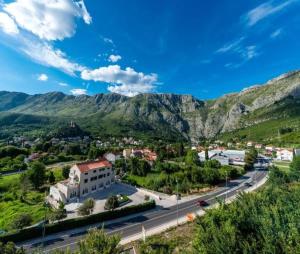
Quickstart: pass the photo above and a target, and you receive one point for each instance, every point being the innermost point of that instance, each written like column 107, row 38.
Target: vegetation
column 87, row 207
column 12, row 159
column 263, row 222
column 97, row 241
column 23, row 220
column 18, row 197
column 111, row 203
column 188, row 174
column 32, row 232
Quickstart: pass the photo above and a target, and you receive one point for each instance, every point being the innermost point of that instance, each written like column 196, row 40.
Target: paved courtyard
column 136, row 196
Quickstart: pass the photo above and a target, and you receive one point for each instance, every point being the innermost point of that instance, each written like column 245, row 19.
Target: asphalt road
column 150, row 219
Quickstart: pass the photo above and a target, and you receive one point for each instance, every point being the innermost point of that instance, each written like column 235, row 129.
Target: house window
column 100, row 185
column 85, row 190
column 73, row 194
column 100, row 176
column 104, row 175
column 93, row 187
column 86, row 180
column 86, row 173
column 108, row 174
column 108, row 183
column 94, row 171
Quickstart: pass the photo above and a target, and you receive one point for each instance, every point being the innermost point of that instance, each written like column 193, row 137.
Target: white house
column 84, row 178
column 285, row 154
column 111, row 157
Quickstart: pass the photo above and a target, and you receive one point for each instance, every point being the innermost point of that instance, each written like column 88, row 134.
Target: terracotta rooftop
column 91, row 165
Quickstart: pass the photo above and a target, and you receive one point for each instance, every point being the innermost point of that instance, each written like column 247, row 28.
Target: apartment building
column 84, row 178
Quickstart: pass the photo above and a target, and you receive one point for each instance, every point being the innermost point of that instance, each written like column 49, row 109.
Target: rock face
column 162, row 113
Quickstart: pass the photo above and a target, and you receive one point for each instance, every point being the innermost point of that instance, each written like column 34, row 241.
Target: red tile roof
column 91, row 165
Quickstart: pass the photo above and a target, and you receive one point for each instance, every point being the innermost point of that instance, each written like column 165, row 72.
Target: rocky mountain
column 159, row 115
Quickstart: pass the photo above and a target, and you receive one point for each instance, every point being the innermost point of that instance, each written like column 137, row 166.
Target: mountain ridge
column 160, row 114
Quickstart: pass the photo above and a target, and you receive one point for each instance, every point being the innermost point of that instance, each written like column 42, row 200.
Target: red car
column 202, row 203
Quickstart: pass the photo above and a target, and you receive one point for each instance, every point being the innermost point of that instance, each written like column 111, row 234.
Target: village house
column 84, row 178
column 111, row 157
column 285, row 154
column 259, row 146
column 250, row 144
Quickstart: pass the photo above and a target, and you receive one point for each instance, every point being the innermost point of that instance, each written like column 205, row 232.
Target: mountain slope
column 160, row 115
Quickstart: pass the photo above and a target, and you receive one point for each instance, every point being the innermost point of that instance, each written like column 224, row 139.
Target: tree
column 192, row 158
column 87, row 207
column 295, row 168
column 111, row 203
column 206, row 154
column 10, row 248
column 22, row 221
column 25, row 185
column 51, row 177
column 65, row 172
column 250, row 159
column 37, row 174
column 59, row 213
column 97, row 241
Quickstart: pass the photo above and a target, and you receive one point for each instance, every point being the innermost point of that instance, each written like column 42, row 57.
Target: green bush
column 29, row 233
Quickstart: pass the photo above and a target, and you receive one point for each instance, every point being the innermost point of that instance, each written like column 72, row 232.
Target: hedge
column 33, row 232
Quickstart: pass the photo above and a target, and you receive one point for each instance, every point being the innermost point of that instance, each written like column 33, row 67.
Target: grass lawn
column 283, row 165
column 142, row 180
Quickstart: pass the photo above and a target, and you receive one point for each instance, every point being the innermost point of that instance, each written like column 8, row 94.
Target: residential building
column 285, row 154
column 259, row 146
column 250, row 144
column 84, row 178
column 126, row 153
column 111, row 157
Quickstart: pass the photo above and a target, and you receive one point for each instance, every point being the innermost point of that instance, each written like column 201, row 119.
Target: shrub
column 111, row 203
column 32, row 232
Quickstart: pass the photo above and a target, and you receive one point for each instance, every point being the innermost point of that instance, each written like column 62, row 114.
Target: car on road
column 248, row 184
column 202, row 203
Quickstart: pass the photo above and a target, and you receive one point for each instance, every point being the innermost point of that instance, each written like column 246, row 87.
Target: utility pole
column 177, row 196
column 226, row 187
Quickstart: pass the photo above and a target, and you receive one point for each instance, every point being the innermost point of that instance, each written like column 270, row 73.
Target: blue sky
column 204, row 48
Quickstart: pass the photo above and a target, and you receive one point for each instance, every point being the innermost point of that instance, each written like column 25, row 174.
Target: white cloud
column 45, row 54
column 63, row 84
column 265, row 10
column 49, row 20
column 127, row 82
column 237, row 47
column 7, row 24
column 231, row 46
column 108, row 40
column 42, row 77
column 78, row 91
column 114, row 58
column 249, row 52
column 276, row 33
